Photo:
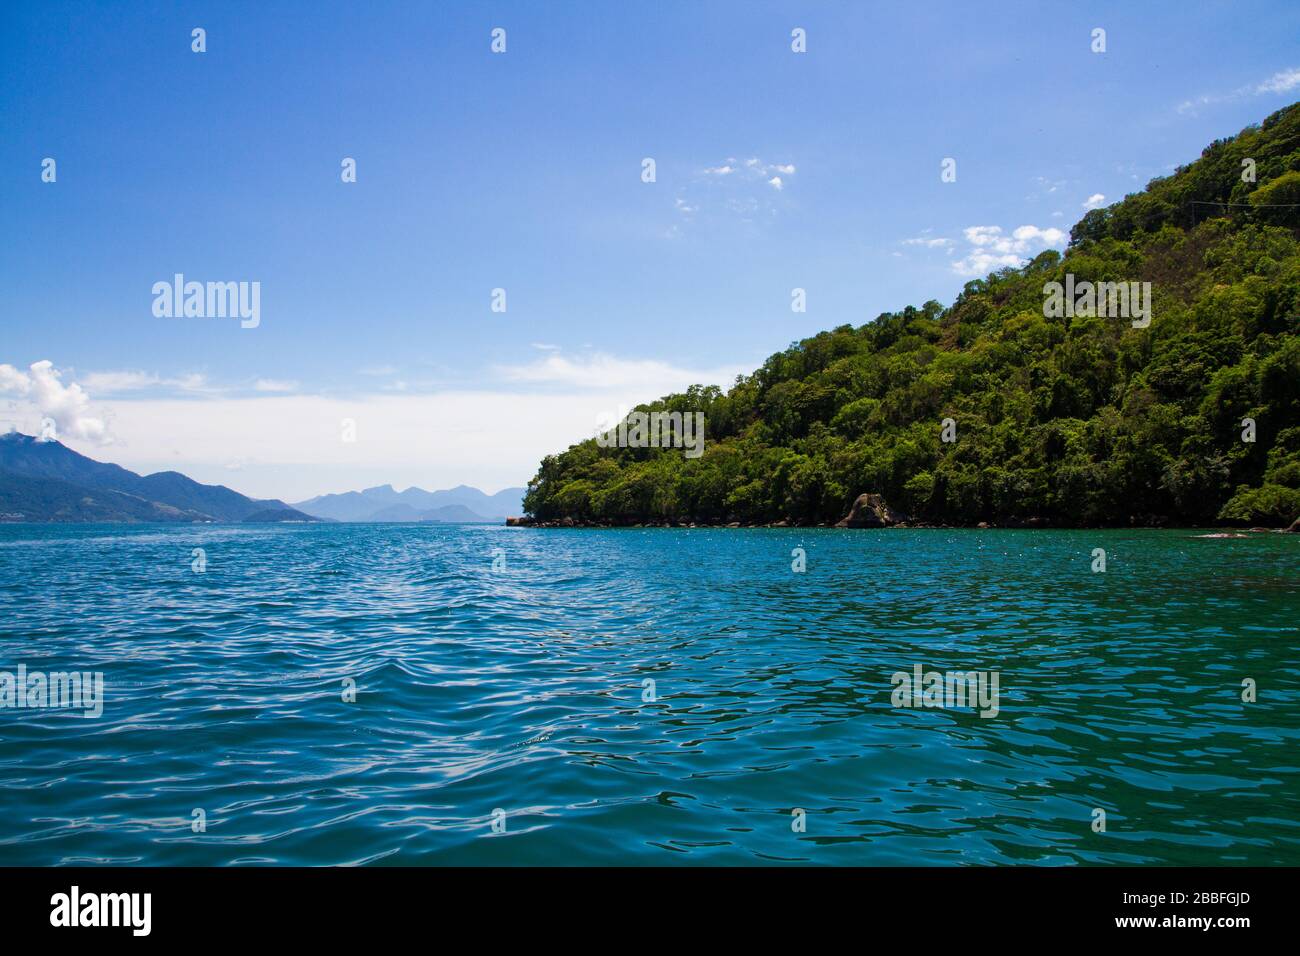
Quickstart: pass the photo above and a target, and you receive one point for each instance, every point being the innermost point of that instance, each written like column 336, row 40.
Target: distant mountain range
column 47, row 481
column 461, row 504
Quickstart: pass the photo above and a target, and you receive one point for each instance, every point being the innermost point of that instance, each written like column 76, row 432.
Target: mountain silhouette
column 47, row 481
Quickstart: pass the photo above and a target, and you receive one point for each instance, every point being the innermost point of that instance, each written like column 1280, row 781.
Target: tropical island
column 1069, row 420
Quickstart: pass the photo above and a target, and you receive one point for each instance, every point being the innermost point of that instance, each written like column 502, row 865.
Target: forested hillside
column 1069, row 421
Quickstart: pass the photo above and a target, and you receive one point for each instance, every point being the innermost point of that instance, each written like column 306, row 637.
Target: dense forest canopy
column 1073, row 421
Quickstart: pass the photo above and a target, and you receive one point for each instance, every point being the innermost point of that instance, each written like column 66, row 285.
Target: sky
column 377, row 356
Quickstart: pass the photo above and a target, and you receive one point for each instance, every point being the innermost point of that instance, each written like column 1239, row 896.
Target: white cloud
column 1047, row 237
column 289, row 446
column 1190, row 106
column 650, row 378
column 991, row 249
column 1281, row 82
column 981, row 262
column 42, row 394
column 770, row 171
column 1284, row 81
column 119, row 381
column 936, row 243
column 754, row 168
column 1095, row 201
column 12, row 380
column 983, row 235
column 749, row 189
column 116, row 382
column 274, row 385
column 1021, row 239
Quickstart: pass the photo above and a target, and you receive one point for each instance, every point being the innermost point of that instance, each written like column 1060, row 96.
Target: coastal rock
column 522, row 522
column 871, row 511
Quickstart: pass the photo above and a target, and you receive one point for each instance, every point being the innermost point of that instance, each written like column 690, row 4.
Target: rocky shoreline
column 871, row 511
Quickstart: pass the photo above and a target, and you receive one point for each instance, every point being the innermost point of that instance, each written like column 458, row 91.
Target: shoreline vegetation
column 1218, row 531
column 1013, row 524
column 1003, row 411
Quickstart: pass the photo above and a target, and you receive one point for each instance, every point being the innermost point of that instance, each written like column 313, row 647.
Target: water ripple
column 648, row 696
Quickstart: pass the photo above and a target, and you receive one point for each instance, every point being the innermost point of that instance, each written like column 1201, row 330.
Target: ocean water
column 648, row 696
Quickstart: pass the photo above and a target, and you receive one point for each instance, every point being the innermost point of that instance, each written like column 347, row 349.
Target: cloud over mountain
column 68, row 406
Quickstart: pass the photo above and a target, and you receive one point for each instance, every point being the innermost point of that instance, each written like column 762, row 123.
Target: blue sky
column 522, row 171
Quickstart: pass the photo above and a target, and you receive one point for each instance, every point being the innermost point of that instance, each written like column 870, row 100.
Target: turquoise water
column 523, row 690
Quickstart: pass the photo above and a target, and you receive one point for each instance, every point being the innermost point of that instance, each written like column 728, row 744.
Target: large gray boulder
column 871, row 511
